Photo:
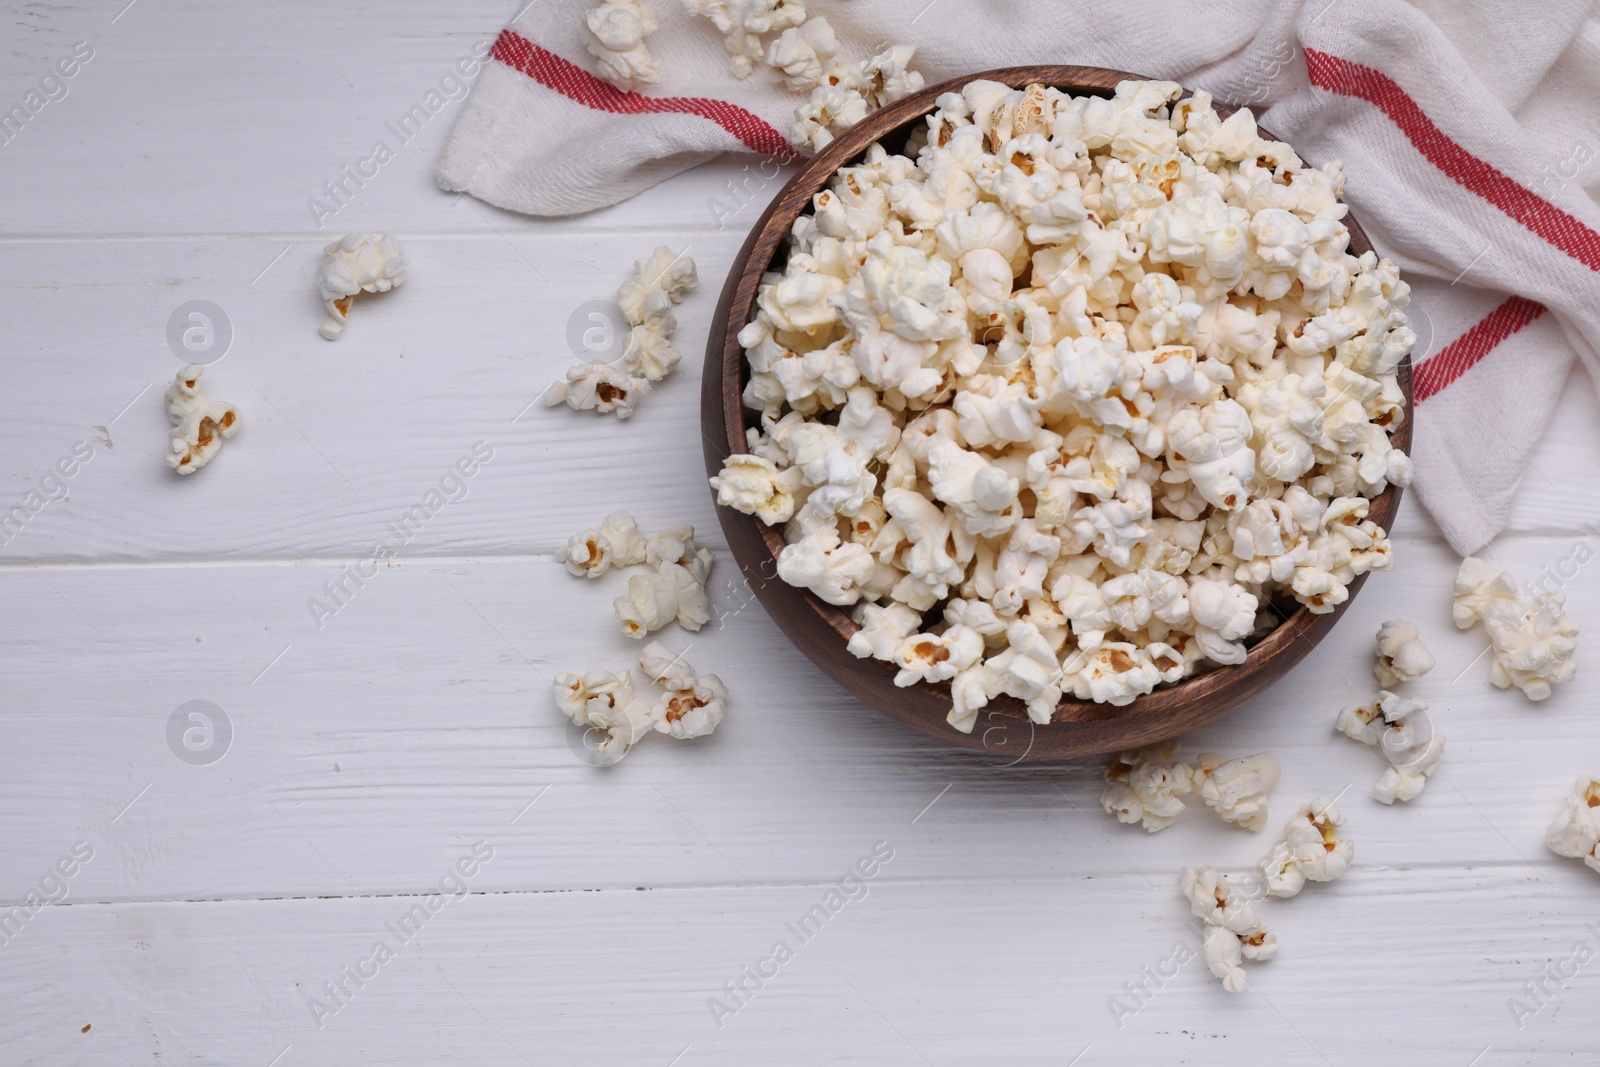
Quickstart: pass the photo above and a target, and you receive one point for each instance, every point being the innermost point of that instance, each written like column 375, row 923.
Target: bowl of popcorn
column 1055, row 411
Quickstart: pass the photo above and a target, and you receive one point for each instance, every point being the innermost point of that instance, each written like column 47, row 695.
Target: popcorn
column 593, row 387
column 802, row 53
column 1311, row 850
column 1237, row 789
column 605, row 702
column 692, row 704
column 742, row 24
column 1532, row 638
column 1402, row 657
column 846, row 94
column 1103, row 371
column 664, row 271
column 1233, row 930
column 356, row 263
column 660, row 280
column 820, row 562
column 937, row 657
column 693, row 711
column 1401, row 729
column 1145, row 786
column 673, row 592
column 831, row 110
column 1575, row 833
column 198, row 425
column 755, row 486
column 617, row 29
column 587, row 554
column 689, row 705
column 1028, row 670
column 623, row 539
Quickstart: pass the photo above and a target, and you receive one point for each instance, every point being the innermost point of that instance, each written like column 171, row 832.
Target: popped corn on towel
column 1469, row 130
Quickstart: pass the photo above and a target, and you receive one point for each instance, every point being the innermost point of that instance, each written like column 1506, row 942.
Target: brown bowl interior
column 821, row 631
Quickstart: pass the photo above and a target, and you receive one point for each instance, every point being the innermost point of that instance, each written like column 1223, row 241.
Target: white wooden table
column 1015, row 923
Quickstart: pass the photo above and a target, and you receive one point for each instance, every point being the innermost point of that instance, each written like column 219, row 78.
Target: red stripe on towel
column 577, row 84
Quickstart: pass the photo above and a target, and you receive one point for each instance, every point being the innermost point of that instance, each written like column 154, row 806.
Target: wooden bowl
column 821, row 631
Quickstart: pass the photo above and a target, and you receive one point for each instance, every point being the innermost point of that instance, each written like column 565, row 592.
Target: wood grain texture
column 415, row 722
column 822, row 631
column 906, row 974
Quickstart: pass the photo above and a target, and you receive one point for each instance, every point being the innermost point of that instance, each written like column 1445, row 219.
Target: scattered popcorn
column 1532, row 637
column 605, row 702
column 1145, row 786
column 1233, row 931
column 1575, row 833
column 198, row 425
column 742, row 24
column 357, row 263
column 1311, row 849
column 623, row 539
column 692, row 704
column 801, row 54
column 593, row 387
column 673, row 592
column 617, row 29
column 1401, row 730
column 1237, row 789
column 587, row 554
column 674, row 588
column 1103, row 368
column 1402, row 657
column 659, row 281
column 689, row 705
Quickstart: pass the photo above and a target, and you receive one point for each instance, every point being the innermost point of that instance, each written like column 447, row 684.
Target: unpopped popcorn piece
column 198, row 425
column 617, row 29
column 1402, row 657
column 1575, row 833
column 1237, row 789
column 357, row 263
column 1147, row 786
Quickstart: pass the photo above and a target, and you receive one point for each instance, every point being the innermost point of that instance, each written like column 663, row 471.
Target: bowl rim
column 724, row 424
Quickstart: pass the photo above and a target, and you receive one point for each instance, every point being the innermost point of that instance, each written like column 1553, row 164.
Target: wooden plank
column 364, row 750
column 908, row 973
column 190, row 108
column 339, row 439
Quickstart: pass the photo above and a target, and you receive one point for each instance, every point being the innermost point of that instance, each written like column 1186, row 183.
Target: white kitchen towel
column 1469, row 130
